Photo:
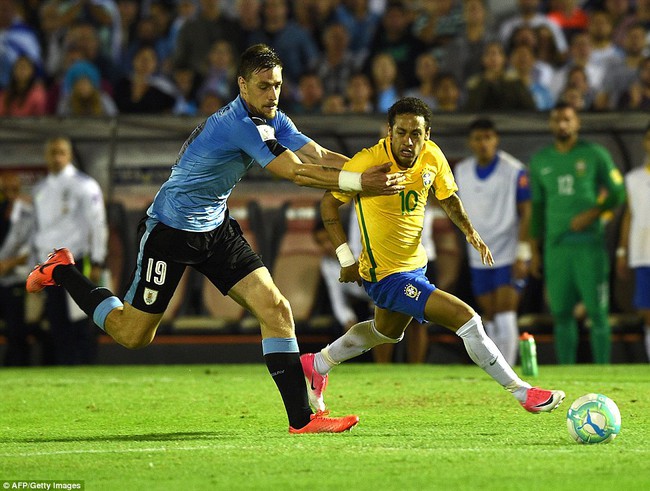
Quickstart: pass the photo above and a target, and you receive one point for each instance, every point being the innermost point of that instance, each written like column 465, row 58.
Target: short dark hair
column 482, row 124
column 561, row 105
column 410, row 105
column 256, row 58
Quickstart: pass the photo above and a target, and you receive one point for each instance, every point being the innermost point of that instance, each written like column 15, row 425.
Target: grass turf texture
column 223, row 427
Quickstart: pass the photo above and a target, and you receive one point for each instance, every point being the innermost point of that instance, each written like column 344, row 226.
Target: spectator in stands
column 448, row 93
column 73, row 201
column 637, row 96
column 494, row 187
column 547, row 48
column 103, row 15
column 16, row 39
column 249, row 18
column 141, row 92
column 334, row 104
column 221, row 73
column 426, row 69
column 529, row 14
column 577, row 91
column 310, row 95
column 621, row 73
column 197, row 35
column 82, row 93
column 293, row 43
column 525, row 67
column 16, row 224
column 186, row 10
column 188, row 224
column 437, row 22
column 84, row 36
column 359, row 94
column 462, row 54
column 569, row 15
column 567, row 179
column 361, row 24
column 145, row 35
column 622, row 14
column 314, row 16
column 129, row 14
column 395, row 37
column 25, row 95
column 162, row 15
column 493, row 90
column 387, row 85
column 600, row 30
column 337, row 63
column 187, row 85
column 209, row 103
column 634, row 242
column 579, row 57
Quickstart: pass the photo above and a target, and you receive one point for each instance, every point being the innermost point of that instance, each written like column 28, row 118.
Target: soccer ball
column 593, row 418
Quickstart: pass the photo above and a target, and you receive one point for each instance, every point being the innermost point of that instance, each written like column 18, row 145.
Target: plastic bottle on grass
column 528, row 354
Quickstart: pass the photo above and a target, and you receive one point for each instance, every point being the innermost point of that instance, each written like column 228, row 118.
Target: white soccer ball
column 593, row 418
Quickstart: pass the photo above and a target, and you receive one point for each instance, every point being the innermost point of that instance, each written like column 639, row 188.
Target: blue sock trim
column 105, row 308
column 280, row 345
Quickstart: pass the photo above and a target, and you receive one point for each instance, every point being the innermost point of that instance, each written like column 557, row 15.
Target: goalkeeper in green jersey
column 573, row 182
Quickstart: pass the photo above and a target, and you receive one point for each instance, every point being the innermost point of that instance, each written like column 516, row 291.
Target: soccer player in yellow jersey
column 392, row 263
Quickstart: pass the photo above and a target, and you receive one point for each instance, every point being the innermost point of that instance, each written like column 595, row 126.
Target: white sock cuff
column 469, row 326
column 383, row 338
column 508, row 315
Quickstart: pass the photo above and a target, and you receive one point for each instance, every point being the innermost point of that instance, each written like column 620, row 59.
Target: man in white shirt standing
column 634, row 242
column 73, row 201
column 493, row 185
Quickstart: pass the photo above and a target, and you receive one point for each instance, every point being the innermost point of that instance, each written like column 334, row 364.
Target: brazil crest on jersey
column 391, row 226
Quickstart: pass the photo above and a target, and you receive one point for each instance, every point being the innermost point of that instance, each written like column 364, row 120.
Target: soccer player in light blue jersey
column 188, row 225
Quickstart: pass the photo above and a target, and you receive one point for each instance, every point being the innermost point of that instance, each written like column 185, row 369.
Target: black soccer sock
column 286, row 370
column 86, row 294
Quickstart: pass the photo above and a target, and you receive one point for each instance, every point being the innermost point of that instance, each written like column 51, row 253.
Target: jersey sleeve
column 537, row 203
column 610, row 177
column 287, row 133
column 523, row 187
column 255, row 137
column 444, row 183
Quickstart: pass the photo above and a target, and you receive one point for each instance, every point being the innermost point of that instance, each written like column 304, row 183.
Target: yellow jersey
column 391, row 226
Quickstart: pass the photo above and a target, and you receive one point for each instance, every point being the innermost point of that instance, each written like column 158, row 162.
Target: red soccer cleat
column 41, row 275
column 316, row 383
column 320, row 423
column 542, row 401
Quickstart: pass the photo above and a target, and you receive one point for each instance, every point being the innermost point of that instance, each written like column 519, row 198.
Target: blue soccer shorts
column 642, row 288
column 402, row 292
column 486, row 280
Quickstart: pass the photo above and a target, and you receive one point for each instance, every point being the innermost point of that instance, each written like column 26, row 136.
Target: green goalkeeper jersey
column 565, row 184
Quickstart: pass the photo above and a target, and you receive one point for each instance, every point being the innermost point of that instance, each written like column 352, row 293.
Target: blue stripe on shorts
column 642, row 287
column 402, row 292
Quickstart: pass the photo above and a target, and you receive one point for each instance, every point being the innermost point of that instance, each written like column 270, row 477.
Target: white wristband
column 621, row 252
column 344, row 253
column 350, row 181
column 524, row 251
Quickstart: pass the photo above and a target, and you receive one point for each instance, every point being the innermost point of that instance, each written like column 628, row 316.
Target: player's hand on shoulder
column 377, row 180
column 350, row 274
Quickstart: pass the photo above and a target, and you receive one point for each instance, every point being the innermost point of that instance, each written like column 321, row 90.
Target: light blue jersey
column 214, row 159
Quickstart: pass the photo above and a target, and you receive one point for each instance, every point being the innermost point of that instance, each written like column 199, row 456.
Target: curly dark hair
column 410, row 105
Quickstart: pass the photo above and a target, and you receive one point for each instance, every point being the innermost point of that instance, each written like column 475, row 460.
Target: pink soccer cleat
column 316, row 383
column 41, row 275
column 541, row 400
column 320, row 423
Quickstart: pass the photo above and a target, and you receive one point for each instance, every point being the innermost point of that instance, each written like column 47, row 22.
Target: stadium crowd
column 108, row 57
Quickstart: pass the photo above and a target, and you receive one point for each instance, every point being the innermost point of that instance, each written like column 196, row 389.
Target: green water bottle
column 528, row 354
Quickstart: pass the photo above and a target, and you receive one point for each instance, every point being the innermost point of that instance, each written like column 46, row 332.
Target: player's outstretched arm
column 375, row 180
column 455, row 210
column 329, row 209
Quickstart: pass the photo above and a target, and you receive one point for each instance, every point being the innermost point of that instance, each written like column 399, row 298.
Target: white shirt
column 491, row 205
column 70, row 212
column 637, row 184
column 16, row 242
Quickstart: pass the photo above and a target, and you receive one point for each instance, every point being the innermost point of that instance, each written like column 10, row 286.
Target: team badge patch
column 581, row 167
column 412, row 292
column 149, row 296
column 266, row 132
column 426, row 179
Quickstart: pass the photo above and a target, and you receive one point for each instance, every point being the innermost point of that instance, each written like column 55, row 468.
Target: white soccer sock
column 486, row 355
column 360, row 338
column 490, row 329
column 507, row 339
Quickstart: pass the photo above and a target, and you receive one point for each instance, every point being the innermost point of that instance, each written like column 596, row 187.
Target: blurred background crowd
column 108, row 57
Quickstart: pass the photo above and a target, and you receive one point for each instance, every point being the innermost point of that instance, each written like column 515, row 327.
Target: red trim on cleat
column 541, row 400
column 41, row 275
column 320, row 423
column 316, row 383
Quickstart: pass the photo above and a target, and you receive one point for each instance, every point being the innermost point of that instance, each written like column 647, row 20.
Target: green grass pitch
column 196, row 427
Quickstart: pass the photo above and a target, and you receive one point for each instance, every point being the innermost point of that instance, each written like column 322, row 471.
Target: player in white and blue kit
column 494, row 187
column 188, row 225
